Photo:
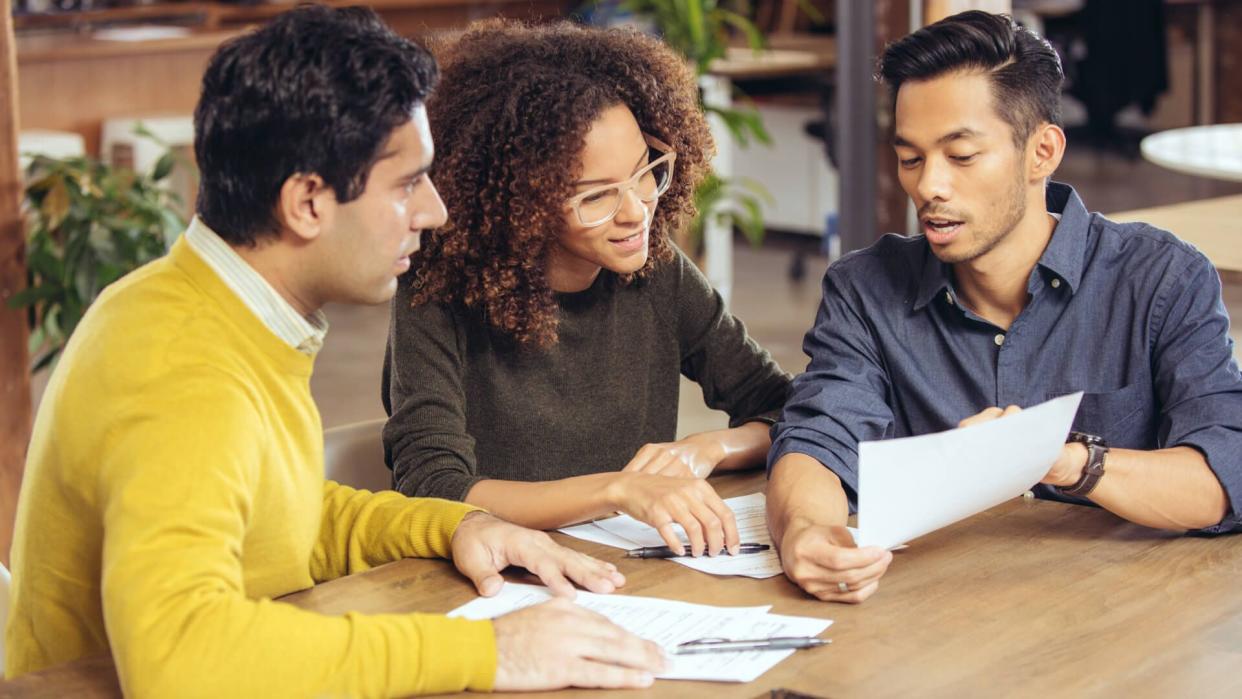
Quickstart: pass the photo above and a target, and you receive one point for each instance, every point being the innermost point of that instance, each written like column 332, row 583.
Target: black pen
column 666, row 552
column 724, row 645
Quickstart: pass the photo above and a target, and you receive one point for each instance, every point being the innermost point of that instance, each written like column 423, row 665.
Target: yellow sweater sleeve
column 361, row 529
column 176, row 482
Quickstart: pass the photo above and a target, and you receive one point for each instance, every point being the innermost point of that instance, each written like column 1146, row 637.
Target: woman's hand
column 695, row 456
column 664, row 501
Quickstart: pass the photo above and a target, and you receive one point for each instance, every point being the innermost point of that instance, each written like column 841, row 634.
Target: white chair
column 353, row 455
column 6, row 583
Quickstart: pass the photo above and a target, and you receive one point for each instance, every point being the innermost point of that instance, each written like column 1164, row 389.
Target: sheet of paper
column 911, row 486
column 669, row 623
column 625, row 532
column 594, row 533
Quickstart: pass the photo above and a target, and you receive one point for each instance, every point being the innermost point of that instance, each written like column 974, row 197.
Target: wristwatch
column 1097, row 448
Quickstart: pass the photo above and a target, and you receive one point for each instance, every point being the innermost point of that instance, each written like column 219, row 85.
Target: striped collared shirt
column 303, row 333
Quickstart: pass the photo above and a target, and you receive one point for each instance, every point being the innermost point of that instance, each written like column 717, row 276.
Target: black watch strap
column 1094, row 470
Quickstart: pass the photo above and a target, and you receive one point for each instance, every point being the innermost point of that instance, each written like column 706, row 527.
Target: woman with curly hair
column 535, row 346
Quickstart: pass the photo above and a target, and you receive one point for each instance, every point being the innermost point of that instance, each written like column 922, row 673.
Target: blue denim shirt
column 1127, row 313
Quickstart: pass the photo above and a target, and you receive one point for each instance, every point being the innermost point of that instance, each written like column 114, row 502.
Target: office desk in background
column 1030, row 598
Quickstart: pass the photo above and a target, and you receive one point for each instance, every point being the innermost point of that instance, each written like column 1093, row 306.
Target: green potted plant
column 88, row 224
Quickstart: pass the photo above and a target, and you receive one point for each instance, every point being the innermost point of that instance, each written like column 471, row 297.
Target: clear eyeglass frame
column 668, row 156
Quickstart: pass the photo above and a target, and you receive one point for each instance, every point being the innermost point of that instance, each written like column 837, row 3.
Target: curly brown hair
column 509, row 120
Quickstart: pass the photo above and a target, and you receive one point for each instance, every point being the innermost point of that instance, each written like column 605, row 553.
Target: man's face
column 957, row 161
column 371, row 238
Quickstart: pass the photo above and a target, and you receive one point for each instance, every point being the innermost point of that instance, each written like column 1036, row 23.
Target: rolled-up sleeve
column 841, row 398
column 1197, row 379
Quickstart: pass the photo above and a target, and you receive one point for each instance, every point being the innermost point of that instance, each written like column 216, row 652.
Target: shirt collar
column 1064, row 256
column 303, row 333
column 1066, row 253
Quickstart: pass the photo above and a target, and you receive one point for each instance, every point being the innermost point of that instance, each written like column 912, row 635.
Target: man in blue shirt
column 1013, row 294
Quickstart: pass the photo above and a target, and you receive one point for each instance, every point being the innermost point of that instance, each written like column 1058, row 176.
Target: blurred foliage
column 88, row 224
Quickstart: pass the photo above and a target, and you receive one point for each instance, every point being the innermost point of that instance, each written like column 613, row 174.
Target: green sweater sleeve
column 426, row 442
column 735, row 373
column 176, row 484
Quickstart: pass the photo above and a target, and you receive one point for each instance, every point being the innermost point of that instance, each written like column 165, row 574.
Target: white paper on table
column 750, row 511
column 668, row 623
column 914, row 485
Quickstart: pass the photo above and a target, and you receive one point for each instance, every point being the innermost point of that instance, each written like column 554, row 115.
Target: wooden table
column 1030, row 598
column 1212, row 225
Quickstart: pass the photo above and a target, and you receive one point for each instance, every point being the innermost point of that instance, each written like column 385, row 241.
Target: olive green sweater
column 466, row 404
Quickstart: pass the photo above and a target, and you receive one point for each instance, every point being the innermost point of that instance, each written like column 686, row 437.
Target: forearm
column 802, row 489
column 1167, row 489
column 360, row 529
column 201, row 641
column 739, row 447
column 548, row 504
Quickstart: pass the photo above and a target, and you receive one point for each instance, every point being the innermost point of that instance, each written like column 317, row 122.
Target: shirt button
column 948, row 296
column 1029, row 494
column 1056, row 283
column 999, row 339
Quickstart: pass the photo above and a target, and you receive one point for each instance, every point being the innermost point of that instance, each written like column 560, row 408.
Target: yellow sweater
column 175, row 484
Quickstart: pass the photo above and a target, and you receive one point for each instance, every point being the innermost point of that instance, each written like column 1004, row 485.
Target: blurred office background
column 1153, row 110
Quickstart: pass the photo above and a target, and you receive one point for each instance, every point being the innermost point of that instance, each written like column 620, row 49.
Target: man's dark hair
column 1024, row 69
column 317, row 90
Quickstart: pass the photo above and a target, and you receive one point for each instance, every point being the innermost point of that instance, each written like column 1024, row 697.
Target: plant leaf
column 56, row 204
column 164, row 166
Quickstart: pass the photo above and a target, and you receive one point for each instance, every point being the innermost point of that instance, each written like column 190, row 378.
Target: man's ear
column 304, row 205
column 1047, row 149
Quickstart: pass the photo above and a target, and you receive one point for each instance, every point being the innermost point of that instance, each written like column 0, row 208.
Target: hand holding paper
column 915, row 485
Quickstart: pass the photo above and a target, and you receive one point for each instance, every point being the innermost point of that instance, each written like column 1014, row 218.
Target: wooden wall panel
column 1228, row 72
column 14, row 365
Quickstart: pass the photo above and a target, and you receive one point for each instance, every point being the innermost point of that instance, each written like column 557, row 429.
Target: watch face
column 1084, row 438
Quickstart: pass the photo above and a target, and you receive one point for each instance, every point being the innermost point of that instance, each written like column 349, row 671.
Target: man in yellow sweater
column 174, row 483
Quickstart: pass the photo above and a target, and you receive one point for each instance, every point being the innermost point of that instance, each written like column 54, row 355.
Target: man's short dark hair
column 1024, row 69
column 317, row 90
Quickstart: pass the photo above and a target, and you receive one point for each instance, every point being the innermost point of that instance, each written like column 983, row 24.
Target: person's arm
column 735, row 374
column 660, row 501
column 1194, row 481
column 177, row 486
column 360, row 529
column 425, row 439
column 699, row 455
column 807, row 511
column 836, row 403
column 1167, row 489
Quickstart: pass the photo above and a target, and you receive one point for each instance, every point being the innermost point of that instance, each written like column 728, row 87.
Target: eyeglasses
column 598, row 205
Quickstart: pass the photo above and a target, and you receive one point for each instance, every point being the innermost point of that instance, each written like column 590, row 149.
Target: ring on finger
column 843, row 587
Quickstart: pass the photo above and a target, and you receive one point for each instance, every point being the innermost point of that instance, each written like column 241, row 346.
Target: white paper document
column 911, row 486
column 750, row 512
column 668, row 623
